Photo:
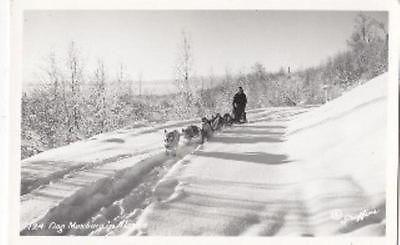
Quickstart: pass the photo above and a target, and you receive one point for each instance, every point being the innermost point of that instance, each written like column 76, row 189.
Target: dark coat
column 239, row 100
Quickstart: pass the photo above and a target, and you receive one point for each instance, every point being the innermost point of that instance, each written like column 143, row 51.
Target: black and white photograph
column 226, row 122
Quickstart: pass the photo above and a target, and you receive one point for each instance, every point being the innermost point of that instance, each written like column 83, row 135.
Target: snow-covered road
column 298, row 171
column 81, row 181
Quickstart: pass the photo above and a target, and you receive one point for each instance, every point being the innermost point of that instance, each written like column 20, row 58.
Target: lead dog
column 171, row 141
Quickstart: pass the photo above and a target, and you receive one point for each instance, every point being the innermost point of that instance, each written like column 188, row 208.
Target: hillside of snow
column 294, row 171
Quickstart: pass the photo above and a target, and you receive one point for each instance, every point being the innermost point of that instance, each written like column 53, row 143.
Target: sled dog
column 206, row 129
column 191, row 132
column 171, row 141
column 228, row 119
column 217, row 122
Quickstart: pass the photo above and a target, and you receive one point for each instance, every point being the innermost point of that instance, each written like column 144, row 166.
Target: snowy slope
column 350, row 132
column 346, row 139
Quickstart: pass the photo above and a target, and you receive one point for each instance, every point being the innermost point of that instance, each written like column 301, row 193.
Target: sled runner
column 242, row 117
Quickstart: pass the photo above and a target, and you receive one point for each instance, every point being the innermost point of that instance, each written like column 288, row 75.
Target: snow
column 350, row 131
column 59, row 176
column 299, row 171
column 311, row 174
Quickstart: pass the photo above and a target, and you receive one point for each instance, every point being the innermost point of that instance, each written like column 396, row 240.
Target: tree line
column 71, row 103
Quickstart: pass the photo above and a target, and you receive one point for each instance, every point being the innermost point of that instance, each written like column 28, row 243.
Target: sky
column 147, row 42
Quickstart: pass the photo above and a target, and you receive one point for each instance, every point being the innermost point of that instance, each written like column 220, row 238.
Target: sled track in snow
column 113, row 191
column 96, row 188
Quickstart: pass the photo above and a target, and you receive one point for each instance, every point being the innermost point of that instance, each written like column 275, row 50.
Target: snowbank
column 346, row 136
column 344, row 140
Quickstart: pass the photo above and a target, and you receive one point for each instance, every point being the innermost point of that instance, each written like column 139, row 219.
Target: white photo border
column 16, row 54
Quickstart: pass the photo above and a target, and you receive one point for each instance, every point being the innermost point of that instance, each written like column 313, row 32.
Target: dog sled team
column 208, row 126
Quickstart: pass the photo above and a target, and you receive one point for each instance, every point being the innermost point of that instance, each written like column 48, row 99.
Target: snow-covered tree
column 99, row 98
column 186, row 100
column 369, row 46
column 73, row 95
